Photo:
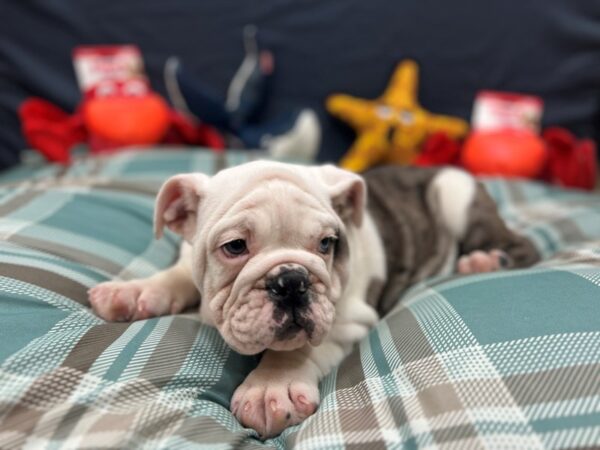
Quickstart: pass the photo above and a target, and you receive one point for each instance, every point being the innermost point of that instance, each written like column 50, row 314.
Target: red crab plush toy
column 559, row 158
column 119, row 109
column 505, row 142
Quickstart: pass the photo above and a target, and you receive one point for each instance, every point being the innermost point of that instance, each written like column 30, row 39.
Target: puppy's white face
column 269, row 249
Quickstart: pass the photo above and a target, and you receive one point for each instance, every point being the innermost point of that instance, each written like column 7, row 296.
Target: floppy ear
column 177, row 204
column 347, row 191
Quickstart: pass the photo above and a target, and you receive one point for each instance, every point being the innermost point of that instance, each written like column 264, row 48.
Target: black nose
column 289, row 286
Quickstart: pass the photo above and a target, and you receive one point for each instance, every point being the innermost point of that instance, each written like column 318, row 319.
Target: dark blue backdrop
column 547, row 47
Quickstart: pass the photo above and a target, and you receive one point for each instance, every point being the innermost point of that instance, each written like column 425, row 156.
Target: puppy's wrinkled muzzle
column 279, row 301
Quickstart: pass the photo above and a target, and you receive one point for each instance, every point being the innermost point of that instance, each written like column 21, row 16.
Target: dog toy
column 558, row 157
column 504, row 138
column 295, row 133
column 392, row 128
column 118, row 109
column 53, row 132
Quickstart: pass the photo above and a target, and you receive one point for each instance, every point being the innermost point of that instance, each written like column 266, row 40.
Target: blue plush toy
column 295, row 134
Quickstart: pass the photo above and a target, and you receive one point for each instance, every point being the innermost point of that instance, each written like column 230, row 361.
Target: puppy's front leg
column 284, row 389
column 167, row 292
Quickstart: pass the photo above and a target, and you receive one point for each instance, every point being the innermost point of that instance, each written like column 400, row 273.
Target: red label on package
column 494, row 111
column 104, row 71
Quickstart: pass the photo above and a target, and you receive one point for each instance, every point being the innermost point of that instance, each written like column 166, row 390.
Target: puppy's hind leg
column 488, row 244
column 167, row 292
column 470, row 215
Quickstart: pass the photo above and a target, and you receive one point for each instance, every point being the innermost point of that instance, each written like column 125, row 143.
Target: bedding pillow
column 491, row 360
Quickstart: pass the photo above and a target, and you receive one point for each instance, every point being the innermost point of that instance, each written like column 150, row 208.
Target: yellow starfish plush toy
column 391, row 128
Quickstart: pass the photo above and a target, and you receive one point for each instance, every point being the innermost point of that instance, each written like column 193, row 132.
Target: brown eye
column 235, row 248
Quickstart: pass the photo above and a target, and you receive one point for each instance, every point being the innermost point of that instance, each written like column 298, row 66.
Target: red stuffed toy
column 119, row 109
column 565, row 160
column 107, row 125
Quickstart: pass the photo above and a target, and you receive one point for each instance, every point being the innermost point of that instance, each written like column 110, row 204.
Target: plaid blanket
column 503, row 360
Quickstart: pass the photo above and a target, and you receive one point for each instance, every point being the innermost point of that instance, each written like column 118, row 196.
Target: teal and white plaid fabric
column 503, row 360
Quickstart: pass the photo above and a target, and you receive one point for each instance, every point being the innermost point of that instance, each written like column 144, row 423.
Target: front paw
column 270, row 401
column 130, row 300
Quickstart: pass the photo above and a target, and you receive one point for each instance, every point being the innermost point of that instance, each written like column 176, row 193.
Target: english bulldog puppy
column 300, row 262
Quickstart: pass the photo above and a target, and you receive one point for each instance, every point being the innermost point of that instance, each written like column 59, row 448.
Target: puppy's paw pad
column 481, row 262
column 270, row 407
